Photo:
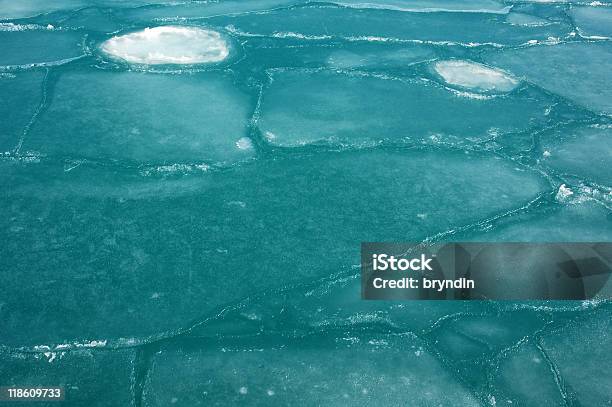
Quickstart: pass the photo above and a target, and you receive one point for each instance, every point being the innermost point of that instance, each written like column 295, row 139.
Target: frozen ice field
column 184, row 186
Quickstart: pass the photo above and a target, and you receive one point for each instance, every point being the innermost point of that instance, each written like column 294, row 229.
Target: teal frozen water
column 188, row 234
column 203, row 118
column 346, row 108
column 593, row 22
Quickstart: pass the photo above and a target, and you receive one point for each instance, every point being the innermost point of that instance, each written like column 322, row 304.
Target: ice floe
column 180, row 10
column 73, row 370
column 580, row 354
column 168, row 45
column 583, row 152
column 364, row 372
column 527, row 377
column 21, row 95
column 30, row 45
column 593, row 22
column 526, row 20
column 375, row 57
column 474, row 76
column 345, row 108
column 383, row 26
column 588, row 221
column 429, row 6
column 150, row 118
column 187, row 224
column 577, row 71
column 10, row 9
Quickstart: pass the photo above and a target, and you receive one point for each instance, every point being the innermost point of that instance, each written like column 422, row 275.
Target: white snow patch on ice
column 244, row 143
column 168, row 45
column 24, row 27
column 474, row 76
column 563, row 193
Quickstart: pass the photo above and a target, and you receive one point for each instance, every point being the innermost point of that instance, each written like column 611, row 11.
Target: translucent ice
column 368, row 369
column 164, row 241
column 481, row 6
column 39, row 45
column 526, row 19
column 83, row 374
column 581, row 355
column 346, row 108
column 191, row 233
column 577, row 71
column 584, row 222
column 474, row 76
column 144, row 117
column 369, row 56
column 21, row 95
column 525, row 378
column 593, row 21
column 485, row 336
column 585, row 152
column 178, row 11
column 375, row 25
column 168, row 45
column 96, row 20
column 333, row 303
column 10, row 9
column 596, row 2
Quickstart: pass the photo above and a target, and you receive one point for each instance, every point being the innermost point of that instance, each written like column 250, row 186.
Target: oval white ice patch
column 475, row 76
column 168, row 45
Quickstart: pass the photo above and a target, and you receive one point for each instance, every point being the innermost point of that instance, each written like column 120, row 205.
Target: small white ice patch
column 168, row 45
column 244, row 143
column 474, row 76
column 564, row 193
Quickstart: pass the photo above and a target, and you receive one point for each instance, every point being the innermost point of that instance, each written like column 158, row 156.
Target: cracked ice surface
column 376, row 25
column 162, row 225
column 21, row 95
column 100, row 222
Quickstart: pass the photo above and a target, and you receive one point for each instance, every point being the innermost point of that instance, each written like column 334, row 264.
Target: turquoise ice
column 185, row 186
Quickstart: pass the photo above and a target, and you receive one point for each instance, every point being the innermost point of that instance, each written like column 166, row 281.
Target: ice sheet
column 144, row 117
column 345, row 108
column 164, row 240
column 577, row 71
